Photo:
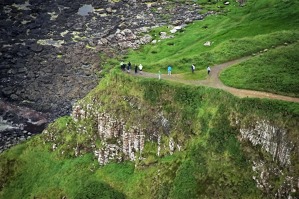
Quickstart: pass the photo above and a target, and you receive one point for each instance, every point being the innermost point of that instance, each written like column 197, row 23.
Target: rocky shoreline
column 49, row 52
column 18, row 124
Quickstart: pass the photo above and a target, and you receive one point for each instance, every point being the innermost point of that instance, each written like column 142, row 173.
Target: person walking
column 122, row 65
column 129, row 67
column 209, row 70
column 192, row 68
column 140, row 68
column 159, row 75
column 136, row 68
column 169, row 68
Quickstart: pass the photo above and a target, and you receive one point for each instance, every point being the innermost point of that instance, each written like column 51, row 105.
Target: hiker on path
column 140, row 68
column 159, row 75
column 208, row 69
column 136, row 68
column 122, row 65
column 193, row 68
column 129, row 67
column 169, row 70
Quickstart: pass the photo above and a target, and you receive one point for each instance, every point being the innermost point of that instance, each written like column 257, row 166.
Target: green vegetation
column 275, row 71
column 238, row 32
column 210, row 159
column 42, row 174
column 212, row 164
column 90, row 47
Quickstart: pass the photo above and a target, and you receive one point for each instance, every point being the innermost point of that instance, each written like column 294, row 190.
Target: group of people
column 127, row 67
column 193, row 69
column 169, row 69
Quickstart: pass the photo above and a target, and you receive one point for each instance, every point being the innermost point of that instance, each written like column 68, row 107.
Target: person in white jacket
column 208, row 69
column 140, row 68
column 192, row 68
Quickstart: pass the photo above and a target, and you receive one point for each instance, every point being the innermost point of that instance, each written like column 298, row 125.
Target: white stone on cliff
column 171, row 146
column 272, row 139
column 159, row 145
column 117, row 141
column 126, row 142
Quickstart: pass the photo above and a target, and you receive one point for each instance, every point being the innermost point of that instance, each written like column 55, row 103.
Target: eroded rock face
column 120, row 141
column 49, row 54
column 271, row 140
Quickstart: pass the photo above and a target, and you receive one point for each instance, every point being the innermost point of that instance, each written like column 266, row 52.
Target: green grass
column 275, row 71
column 41, row 174
column 238, row 32
column 187, row 46
column 197, row 75
column 204, row 132
column 212, row 163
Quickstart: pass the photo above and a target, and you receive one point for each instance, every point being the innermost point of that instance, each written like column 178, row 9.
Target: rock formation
column 49, row 52
column 275, row 148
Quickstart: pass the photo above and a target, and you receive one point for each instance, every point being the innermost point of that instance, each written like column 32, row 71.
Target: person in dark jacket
column 129, row 67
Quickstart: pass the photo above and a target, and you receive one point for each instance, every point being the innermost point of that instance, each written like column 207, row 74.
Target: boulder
column 208, row 43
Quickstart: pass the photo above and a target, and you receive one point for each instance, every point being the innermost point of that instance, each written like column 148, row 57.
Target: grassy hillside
column 211, row 161
column 235, row 32
column 275, row 71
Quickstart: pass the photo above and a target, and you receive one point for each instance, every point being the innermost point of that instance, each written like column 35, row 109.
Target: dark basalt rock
column 17, row 124
column 36, row 48
column 45, row 67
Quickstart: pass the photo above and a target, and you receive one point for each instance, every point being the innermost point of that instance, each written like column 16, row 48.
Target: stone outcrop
column 270, row 140
column 120, row 141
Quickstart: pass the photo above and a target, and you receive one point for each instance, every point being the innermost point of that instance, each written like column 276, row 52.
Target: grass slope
column 213, row 163
column 275, row 71
column 237, row 32
column 34, row 172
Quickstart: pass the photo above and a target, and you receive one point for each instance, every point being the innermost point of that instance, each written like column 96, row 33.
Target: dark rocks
column 36, row 48
column 18, row 124
column 49, row 53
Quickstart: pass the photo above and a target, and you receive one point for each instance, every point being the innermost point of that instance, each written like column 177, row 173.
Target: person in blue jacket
column 169, row 70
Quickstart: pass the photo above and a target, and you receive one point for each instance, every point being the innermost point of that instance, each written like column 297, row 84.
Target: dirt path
column 214, row 82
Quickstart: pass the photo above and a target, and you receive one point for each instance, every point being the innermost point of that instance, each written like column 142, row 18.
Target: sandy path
column 214, row 82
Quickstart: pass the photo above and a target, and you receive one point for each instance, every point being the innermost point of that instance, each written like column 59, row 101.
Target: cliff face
column 121, row 141
column 277, row 159
column 118, row 125
column 112, row 138
column 272, row 139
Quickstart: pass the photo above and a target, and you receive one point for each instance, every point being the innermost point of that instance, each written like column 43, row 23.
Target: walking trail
column 214, row 82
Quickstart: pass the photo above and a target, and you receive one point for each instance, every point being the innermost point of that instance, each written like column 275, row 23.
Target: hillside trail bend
column 214, row 82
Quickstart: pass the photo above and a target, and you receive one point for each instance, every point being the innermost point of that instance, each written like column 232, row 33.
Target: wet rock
column 36, row 48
